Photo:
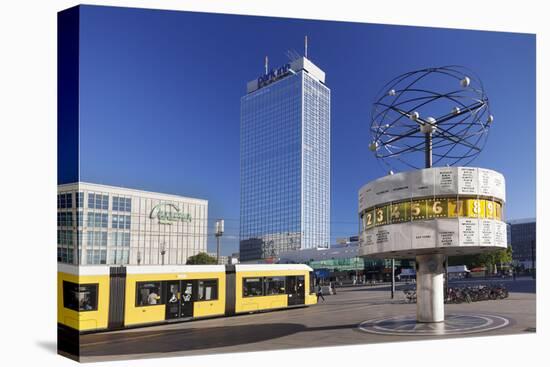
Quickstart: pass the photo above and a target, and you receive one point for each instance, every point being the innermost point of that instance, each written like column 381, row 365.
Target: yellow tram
column 99, row 298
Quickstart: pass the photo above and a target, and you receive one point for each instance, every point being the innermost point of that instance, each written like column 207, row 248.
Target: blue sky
column 160, row 100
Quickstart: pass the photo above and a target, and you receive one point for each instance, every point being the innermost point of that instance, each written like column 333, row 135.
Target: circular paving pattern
column 453, row 324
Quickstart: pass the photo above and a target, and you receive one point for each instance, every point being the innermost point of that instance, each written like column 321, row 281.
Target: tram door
column 189, row 289
column 179, row 300
column 295, row 287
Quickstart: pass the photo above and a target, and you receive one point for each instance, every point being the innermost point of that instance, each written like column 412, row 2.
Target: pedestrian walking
column 320, row 293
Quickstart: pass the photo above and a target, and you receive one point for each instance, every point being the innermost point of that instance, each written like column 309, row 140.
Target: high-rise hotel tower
column 285, row 162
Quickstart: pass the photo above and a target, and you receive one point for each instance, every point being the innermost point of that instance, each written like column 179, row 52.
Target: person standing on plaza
column 320, row 293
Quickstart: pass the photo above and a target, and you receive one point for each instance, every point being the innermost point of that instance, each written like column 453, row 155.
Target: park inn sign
column 169, row 213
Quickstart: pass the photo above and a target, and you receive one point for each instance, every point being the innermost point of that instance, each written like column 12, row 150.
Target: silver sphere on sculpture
column 429, row 126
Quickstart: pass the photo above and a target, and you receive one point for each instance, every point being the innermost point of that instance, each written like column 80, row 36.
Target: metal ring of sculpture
column 449, row 102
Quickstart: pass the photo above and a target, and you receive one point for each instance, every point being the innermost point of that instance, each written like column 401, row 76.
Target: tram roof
column 161, row 269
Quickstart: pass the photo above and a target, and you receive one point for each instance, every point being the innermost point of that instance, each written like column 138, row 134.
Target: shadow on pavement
column 155, row 341
column 167, row 341
column 396, row 301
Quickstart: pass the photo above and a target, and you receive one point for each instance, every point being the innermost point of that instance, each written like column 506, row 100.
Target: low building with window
column 100, row 224
column 338, row 261
column 341, row 262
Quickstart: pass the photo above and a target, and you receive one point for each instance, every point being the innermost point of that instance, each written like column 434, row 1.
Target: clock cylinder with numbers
column 441, row 210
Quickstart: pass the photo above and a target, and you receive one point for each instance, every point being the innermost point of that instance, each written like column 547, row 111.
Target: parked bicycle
column 476, row 293
column 467, row 294
column 458, row 295
column 410, row 294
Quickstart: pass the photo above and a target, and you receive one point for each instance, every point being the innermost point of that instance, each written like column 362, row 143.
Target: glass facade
column 523, row 239
column 285, row 167
column 316, row 164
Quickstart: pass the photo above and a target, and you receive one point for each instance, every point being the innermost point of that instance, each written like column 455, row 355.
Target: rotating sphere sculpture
column 449, row 103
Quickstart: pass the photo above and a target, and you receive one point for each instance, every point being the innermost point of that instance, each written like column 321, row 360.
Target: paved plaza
column 331, row 323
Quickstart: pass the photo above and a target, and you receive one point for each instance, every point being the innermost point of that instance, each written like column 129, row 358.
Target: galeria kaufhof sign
column 456, row 208
column 167, row 213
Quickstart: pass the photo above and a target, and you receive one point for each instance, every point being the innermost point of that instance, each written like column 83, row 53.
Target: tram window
column 80, row 297
column 274, row 285
column 208, row 290
column 148, row 294
column 311, row 283
column 252, row 287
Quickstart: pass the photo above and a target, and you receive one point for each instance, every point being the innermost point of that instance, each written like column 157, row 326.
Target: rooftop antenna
column 305, row 42
column 266, row 64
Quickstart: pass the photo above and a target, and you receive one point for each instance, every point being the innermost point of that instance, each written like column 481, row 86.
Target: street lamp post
column 392, row 267
column 446, row 287
column 356, row 261
column 162, row 251
column 392, row 278
column 219, row 233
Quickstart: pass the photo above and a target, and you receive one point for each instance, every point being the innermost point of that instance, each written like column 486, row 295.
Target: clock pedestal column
column 430, row 276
